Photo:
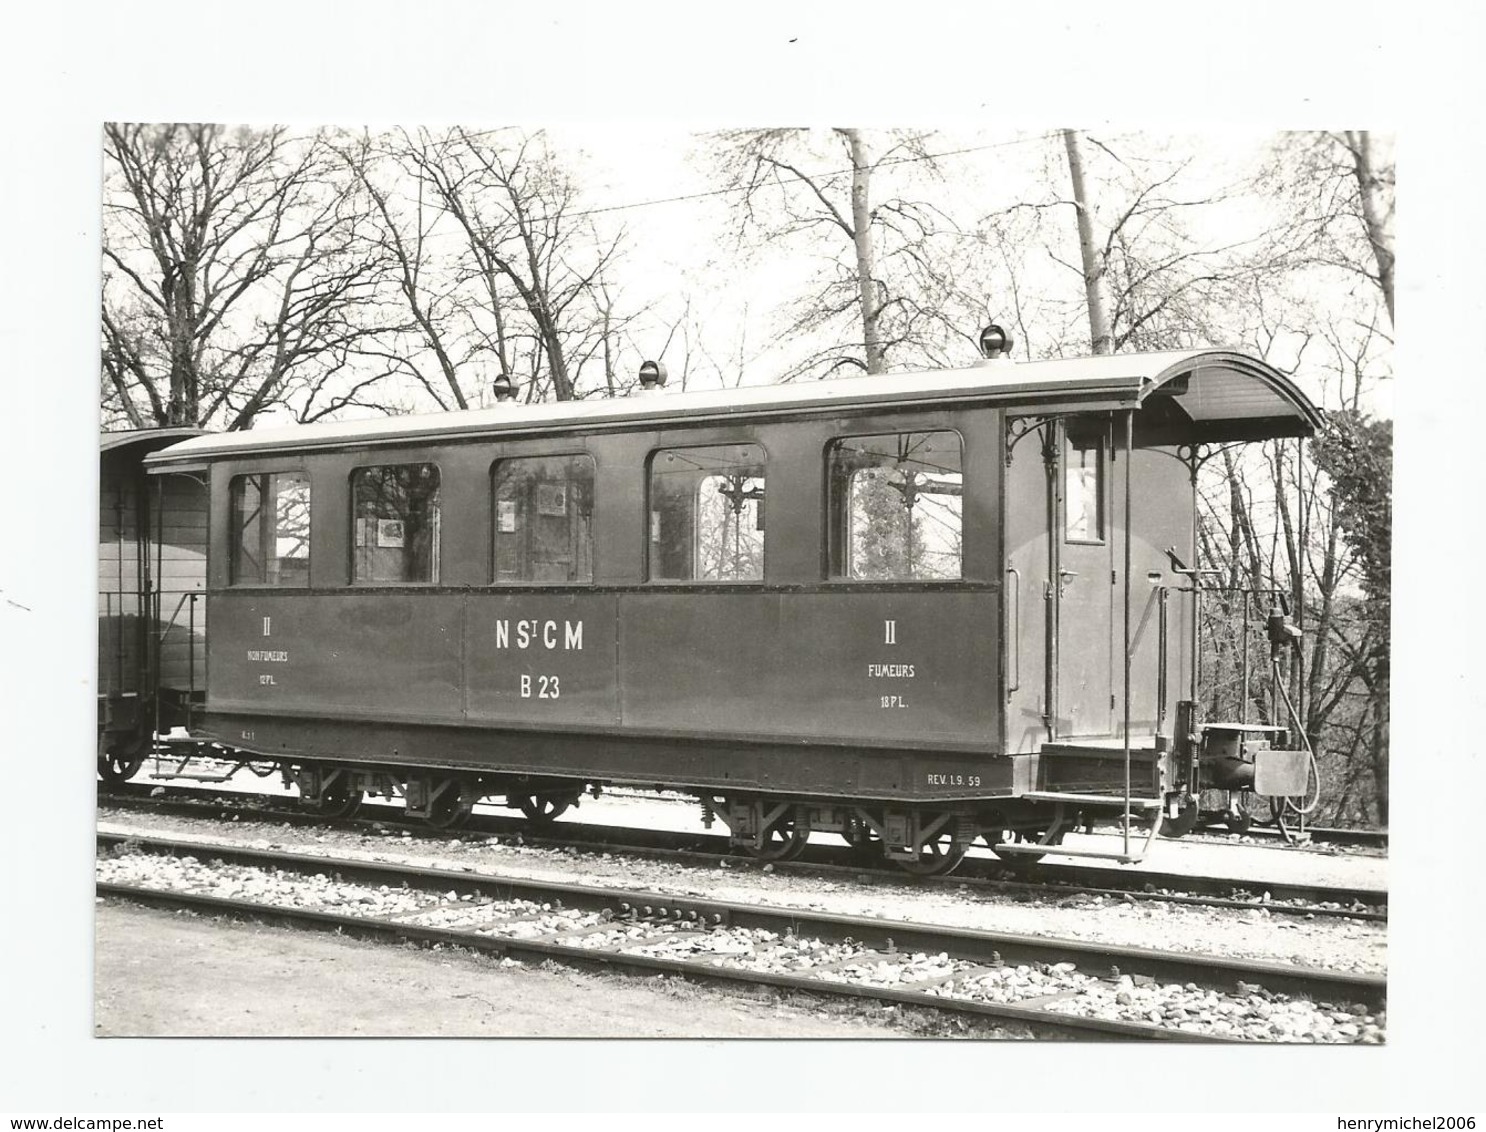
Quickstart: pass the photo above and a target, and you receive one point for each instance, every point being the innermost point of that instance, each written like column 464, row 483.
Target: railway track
column 1052, row 985
column 1320, row 901
column 1216, row 835
column 1311, row 835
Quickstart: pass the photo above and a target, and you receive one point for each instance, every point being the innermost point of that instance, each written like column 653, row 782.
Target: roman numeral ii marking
column 890, row 632
column 266, row 621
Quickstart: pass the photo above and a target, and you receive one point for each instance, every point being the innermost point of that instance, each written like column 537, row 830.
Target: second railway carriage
column 151, row 574
column 912, row 610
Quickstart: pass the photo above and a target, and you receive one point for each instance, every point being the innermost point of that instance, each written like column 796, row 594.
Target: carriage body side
column 913, row 610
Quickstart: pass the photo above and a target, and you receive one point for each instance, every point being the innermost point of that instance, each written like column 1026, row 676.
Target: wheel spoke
column 1024, row 837
column 939, row 856
column 785, row 840
column 866, row 847
column 449, row 810
column 544, row 808
column 338, row 803
column 121, row 762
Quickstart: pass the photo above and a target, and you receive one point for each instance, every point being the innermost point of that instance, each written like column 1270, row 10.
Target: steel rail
column 618, row 960
column 961, row 943
column 1317, row 835
column 1049, row 879
column 1320, row 835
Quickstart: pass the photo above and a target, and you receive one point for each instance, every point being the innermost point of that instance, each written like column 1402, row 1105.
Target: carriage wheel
column 1023, row 837
column 338, row 802
column 784, row 841
column 544, row 808
column 939, row 856
column 448, row 810
column 121, row 762
column 866, row 846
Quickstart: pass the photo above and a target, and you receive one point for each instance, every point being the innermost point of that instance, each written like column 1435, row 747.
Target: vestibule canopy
column 1223, row 397
column 1187, row 397
column 138, row 441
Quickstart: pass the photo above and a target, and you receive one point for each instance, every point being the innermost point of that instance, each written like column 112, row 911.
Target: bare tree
column 401, row 237
column 496, row 267
column 861, row 239
column 1148, row 282
column 525, row 250
column 1092, row 262
column 695, row 355
column 236, row 277
column 1325, row 544
column 879, row 293
column 1339, row 192
column 1375, row 199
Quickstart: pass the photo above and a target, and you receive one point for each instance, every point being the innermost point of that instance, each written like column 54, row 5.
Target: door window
column 1083, row 489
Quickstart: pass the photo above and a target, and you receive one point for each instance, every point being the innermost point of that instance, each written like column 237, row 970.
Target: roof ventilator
column 652, row 376
column 996, row 343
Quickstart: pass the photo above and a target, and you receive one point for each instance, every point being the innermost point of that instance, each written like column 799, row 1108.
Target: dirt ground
column 159, row 974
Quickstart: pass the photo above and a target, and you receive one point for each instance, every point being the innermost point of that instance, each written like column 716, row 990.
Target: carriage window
column 543, row 525
column 271, row 529
column 1083, row 489
column 707, row 514
column 895, row 506
column 396, row 523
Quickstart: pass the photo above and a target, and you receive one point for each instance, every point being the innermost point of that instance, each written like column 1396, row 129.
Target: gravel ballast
column 1255, row 933
column 1061, row 988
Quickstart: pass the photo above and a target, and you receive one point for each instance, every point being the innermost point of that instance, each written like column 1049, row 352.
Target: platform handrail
column 164, row 627
column 1016, row 652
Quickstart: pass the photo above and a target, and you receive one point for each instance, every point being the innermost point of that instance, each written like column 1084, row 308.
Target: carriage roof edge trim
column 1223, row 391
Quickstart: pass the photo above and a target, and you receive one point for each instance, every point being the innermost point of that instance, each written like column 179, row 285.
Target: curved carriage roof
column 136, row 442
column 1206, row 395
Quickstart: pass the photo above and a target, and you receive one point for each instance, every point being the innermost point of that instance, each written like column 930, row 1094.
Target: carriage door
column 1082, row 580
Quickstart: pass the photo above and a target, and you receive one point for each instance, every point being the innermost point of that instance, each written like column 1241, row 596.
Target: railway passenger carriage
column 894, row 608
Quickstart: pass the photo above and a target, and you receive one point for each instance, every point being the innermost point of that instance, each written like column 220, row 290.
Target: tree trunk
column 1380, row 756
column 861, row 223
column 1093, row 265
column 1378, row 234
column 1316, row 712
column 1294, row 562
